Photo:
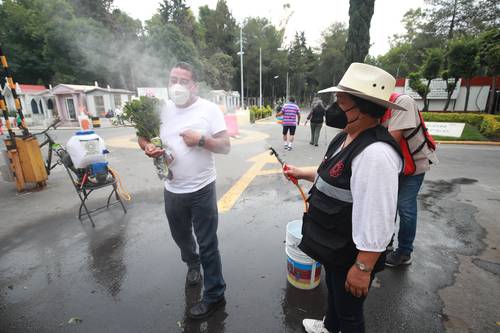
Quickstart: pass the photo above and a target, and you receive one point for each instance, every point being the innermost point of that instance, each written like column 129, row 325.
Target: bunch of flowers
column 144, row 115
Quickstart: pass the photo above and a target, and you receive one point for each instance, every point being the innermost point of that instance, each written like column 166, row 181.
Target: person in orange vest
column 418, row 148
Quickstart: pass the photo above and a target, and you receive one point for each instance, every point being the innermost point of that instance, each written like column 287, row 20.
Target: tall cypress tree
column 358, row 39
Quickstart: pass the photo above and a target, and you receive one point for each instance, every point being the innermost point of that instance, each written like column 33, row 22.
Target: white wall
column 477, row 100
column 158, row 92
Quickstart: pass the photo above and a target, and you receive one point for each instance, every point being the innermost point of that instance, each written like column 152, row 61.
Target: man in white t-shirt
column 194, row 129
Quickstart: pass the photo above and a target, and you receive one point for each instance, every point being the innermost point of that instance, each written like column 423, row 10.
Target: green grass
column 470, row 133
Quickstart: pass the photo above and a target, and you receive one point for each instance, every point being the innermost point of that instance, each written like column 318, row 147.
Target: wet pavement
column 125, row 275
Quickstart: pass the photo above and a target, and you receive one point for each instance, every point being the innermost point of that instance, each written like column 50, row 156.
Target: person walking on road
column 291, row 118
column 408, row 129
column 316, row 117
column 353, row 200
column 194, row 129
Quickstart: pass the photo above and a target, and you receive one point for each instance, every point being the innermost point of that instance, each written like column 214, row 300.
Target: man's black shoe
column 202, row 310
column 193, row 276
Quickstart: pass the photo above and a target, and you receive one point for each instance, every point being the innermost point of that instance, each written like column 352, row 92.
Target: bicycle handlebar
column 54, row 123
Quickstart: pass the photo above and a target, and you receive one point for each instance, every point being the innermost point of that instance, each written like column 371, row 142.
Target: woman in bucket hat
column 353, row 201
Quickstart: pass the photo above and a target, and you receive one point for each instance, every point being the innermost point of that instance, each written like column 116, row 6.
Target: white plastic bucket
column 303, row 271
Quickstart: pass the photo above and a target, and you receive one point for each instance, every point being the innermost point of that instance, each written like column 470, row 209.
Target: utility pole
column 260, row 77
column 287, row 87
column 241, row 67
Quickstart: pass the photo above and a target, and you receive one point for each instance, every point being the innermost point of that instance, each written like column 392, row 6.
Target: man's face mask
column 179, row 94
column 335, row 117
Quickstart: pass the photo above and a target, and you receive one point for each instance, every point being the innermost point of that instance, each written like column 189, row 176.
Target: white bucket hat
column 367, row 82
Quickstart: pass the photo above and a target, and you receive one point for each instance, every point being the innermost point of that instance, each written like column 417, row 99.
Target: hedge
column 488, row 125
column 259, row 113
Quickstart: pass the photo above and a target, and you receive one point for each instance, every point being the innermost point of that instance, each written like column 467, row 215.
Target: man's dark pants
column 198, row 211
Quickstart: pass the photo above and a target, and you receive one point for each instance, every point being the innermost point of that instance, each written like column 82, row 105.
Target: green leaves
column 358, row 40
column 144, row 115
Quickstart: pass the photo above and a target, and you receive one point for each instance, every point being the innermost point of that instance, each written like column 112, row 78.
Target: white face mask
column 179, row 94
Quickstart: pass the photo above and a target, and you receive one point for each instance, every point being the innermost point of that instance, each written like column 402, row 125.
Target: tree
column 99, row 10
column 458, row 18
column 398, row 60
column 219, row 33
column 179, row 14
column 415, row 82
column 219, row 71
column 358, row 38
column 23, row 37
column 430, row 70
column 166, row 44
column 489, row 58
column 219, row 29
column 331, row 58
column 302, row 63
column 462, row 62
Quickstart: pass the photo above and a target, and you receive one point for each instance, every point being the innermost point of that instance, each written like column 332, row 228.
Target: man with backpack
column 418, row 148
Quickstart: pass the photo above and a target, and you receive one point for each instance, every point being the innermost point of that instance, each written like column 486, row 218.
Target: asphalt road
column 125, row 275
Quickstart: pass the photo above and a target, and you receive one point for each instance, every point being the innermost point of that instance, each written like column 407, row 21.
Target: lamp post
column 260, row 77
column 274, row 96
column 287, row 87
column 241, row 67
column 287, row 82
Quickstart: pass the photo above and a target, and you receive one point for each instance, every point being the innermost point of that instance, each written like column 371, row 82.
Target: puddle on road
column 458, row 218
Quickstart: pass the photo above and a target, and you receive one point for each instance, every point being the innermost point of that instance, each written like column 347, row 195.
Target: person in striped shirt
column 291, row 118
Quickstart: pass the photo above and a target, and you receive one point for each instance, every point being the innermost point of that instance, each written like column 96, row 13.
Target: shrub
column 488, row 125
column 252, row 116
column 257, row 113
column 471, row 119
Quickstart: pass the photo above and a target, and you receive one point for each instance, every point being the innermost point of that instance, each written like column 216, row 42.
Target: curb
column 37, row 128
column 477, row 143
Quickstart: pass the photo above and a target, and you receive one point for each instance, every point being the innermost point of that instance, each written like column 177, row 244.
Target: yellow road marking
column 229, row 198
column 130, row 141
column 233, row 194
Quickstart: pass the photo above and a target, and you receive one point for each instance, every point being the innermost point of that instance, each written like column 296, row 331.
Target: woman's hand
column 292, row 171
column 298, row 173
column 152, row 151
column 357, row 282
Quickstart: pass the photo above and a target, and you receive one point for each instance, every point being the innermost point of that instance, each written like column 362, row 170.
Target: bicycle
column 53, row 147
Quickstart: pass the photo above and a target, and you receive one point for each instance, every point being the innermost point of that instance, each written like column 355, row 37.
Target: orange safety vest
column 409, row 162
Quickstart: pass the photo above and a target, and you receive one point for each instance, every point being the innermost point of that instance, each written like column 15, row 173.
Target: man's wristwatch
column 201, row 143
column 362, row 267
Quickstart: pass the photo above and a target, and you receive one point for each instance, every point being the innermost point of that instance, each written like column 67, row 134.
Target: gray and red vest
column 409, row 163
column 327, row 225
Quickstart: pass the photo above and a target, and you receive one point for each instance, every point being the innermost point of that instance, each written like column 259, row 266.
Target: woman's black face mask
column 336, row 117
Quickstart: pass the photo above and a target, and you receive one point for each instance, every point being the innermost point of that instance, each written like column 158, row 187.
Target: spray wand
column 291, row 178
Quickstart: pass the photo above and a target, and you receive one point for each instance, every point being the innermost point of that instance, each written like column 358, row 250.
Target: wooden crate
column 31, row 160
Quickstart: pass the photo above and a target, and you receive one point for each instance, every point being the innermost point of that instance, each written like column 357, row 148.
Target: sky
column 311, row 16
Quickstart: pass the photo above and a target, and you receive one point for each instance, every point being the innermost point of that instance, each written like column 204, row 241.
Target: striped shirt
column 290, row 113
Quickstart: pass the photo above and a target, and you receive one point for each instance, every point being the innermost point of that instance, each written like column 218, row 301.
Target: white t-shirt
column 193, row 167
column 374, row 189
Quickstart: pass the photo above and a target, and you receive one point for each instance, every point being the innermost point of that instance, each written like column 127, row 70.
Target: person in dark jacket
column 316, row 117
column 353, row 201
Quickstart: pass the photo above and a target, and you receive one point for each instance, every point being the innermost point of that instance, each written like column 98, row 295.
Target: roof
column 88, row 89
column 79, row 87
column 30, row 88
